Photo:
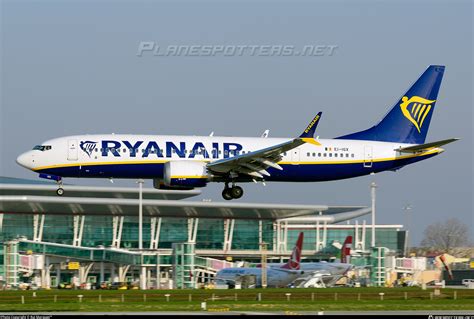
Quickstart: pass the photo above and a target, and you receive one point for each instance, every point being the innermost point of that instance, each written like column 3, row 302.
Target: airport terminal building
column 94, row 234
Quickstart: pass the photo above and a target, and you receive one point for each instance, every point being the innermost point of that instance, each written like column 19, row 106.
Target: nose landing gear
column 60, row 190
column 233, row 192
column 59, row 181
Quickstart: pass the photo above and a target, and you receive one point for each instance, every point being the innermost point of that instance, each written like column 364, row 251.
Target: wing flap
column 256, row 160
column 256, row 163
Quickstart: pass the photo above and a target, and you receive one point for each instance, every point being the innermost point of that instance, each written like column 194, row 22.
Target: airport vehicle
column 186, row 162
column 280, row 276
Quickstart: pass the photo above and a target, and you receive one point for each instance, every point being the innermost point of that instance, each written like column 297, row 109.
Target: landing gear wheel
column 236, row 192
column 226, row 193
column 60, row 192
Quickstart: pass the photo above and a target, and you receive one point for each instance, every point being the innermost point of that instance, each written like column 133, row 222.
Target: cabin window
column 324, row 154
column 347, row 154
column 352, row 155
column 330, row 154
column 335, row 154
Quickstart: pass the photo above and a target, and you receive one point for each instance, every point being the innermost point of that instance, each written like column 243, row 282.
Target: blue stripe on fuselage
column 290, row 173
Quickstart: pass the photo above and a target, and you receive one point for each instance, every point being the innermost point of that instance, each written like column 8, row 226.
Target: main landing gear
column 233, row 192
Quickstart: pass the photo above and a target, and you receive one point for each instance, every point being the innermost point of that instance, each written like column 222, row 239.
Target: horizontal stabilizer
column 425, row 147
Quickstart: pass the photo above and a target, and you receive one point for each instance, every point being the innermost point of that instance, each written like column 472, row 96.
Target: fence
column 233, row 296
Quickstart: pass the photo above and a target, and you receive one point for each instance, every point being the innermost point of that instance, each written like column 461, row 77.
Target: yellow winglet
column 311, row 140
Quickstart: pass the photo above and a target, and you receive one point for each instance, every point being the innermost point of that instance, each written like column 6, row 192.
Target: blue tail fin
column 409, row 119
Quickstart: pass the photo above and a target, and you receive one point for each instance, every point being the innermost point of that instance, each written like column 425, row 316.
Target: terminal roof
column 13, row 186
column 171, row 208
column 18, row 196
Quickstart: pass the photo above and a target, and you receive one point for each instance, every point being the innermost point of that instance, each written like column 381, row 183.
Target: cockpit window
column 42, row 148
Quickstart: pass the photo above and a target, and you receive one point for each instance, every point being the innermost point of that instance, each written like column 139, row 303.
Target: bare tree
column 446, row 236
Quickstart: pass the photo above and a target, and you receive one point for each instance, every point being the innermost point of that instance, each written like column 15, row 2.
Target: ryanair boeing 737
column 186, row 162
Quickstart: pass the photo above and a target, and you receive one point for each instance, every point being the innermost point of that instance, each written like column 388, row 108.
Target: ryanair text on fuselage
column 164, row 149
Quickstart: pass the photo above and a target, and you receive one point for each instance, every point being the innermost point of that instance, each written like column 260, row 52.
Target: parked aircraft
column 324, row 274
column 280, row 276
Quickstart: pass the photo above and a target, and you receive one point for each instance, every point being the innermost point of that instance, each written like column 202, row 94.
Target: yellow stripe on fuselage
column 187, row 176
column 434, row 151
column 100, row 163
column 362, row 161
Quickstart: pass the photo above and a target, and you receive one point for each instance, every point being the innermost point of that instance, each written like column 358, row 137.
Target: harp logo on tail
column 415, row 109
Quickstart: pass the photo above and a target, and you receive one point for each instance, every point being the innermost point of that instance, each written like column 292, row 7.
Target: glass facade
column 113, row 240
column 391, row 238
column 98, row 230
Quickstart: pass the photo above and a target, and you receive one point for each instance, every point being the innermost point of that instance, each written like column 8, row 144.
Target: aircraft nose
column 25, row 160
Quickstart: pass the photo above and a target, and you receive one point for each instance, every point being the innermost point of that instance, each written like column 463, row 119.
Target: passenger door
column 295, row 156
column 72, row 150
column 368, row 156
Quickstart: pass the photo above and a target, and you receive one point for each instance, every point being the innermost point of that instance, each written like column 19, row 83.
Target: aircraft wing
column 425, row 147
column 255, row 163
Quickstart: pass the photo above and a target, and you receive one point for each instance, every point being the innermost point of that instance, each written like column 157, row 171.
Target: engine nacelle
column 185, row 174
column 160, row 184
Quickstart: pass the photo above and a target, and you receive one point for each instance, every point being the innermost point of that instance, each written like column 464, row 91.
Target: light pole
column 407, row 209
column 140, row 213
column 263, row 264
column 140, row 232
column 373, row 186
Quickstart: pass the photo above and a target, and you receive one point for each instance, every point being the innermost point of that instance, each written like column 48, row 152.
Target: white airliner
column 281, row 275
column 322, row 274
column 185, row 162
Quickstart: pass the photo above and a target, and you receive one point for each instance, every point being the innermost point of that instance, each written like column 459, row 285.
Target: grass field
column 329, row 299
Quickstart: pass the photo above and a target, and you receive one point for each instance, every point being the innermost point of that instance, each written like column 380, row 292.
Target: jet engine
column 185, row 174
